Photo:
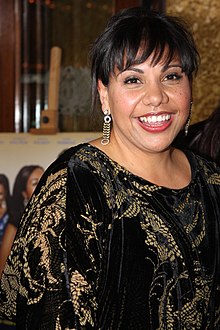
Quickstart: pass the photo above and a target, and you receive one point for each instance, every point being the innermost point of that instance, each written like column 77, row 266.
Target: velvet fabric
column 101, row 248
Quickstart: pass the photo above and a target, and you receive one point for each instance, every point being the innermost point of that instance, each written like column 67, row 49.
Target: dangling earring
column 188, row 120
column 106, row 128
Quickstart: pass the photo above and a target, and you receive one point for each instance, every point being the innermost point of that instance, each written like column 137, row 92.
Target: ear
column 103, row 94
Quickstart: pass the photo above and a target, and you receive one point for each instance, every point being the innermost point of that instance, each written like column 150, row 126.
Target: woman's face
column 149, row 105
column 32, row 182
column 2, row 193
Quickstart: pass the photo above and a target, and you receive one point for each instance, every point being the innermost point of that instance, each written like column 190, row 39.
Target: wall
column 204, row 19
column 21, row 149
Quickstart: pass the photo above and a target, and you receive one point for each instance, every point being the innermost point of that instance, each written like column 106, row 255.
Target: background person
column 5, row 206
column 123, row 232
column 24, row 185
column 203, row 137
column 5, row 200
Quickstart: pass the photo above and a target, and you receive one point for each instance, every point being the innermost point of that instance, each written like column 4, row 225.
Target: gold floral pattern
column 119, row 253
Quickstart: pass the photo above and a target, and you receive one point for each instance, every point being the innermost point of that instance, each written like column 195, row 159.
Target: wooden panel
column 9, row 55
column 7, row 66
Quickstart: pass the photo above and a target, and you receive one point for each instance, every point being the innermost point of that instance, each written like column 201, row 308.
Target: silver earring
column 106, row 131
column 188, row 120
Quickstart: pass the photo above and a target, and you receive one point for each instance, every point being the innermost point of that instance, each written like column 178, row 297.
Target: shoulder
column 205, row 167
column 206, row 162
column 57, row 170
column 49, row 196
column 62, row 161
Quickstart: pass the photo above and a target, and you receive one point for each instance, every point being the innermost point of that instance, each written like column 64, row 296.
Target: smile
column 154, row 119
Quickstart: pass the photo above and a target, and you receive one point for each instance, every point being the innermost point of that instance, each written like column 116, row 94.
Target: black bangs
column 134, row 35
column 158, row 50
column 140, row 41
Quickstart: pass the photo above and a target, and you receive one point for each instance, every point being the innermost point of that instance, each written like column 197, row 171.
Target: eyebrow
column 131, row 68
column 172, row 66
column 165, row 67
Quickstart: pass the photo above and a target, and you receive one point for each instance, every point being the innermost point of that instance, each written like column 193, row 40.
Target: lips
column 153, row 120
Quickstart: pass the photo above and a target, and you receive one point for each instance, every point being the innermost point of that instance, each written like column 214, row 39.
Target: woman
column 4, row 204
column 123, row 232
column 25, row 183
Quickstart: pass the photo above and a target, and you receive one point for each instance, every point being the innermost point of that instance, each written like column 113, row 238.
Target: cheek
column 183, row 92
column 123, row 103
column 184, row 101
column 29, row 192
column 115, row 103
column 187, row 95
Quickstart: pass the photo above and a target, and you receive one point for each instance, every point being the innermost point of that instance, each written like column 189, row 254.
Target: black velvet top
column 101, row 248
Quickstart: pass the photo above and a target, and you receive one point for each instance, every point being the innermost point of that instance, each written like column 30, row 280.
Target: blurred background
column 30, row 28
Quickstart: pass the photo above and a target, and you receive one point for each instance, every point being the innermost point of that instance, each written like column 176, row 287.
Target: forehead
column 35, row 173
column 164, row 60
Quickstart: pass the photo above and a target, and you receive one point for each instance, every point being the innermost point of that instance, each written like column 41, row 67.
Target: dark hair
column 206, row 140
column 20, row 185
column 4, row 181
column 134, row 34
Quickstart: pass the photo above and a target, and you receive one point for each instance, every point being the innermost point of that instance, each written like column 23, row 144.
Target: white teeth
column 143, row 119
column 155, row 119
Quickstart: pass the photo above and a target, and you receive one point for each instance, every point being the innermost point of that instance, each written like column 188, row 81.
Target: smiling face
column 149, row 104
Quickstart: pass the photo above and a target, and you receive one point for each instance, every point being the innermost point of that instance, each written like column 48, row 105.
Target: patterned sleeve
column 35, row 268
column 48, row 280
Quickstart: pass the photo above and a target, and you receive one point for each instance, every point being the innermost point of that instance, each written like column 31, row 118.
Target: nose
column 154, row 95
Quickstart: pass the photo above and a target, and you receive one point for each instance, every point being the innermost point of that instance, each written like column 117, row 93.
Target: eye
column 132, row 80
column 34, row 182
column 173, row 76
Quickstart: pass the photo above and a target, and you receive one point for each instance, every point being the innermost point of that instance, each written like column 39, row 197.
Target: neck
column 169, row 168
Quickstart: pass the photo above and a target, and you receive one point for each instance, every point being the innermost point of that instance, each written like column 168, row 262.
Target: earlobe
column 103, row 94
